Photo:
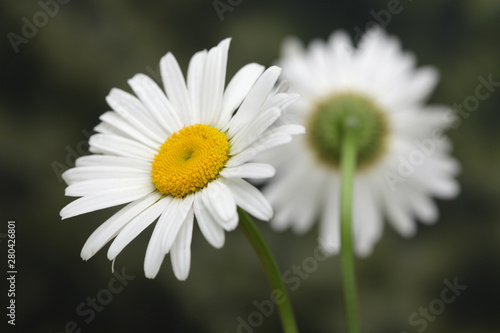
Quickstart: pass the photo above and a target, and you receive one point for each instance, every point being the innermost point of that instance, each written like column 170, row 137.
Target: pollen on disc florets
column 189, row 159
column 327, row 123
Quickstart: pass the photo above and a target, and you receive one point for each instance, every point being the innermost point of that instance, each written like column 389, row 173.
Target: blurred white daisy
column 180, row 154
column 403, row 158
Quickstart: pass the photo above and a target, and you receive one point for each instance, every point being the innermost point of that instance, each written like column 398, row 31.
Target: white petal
column 106, row 128
column 154, row 253
column 95, row 186
column 249, row 198
column 133, row 111
column 255, row 98
column 288, row 182
column 341, row 46
column 175, row 87
column 367, row 220
column 115, row 120
column 210, row 229
column 274, row 137
column 281, row 100
column 157, row 103
column 424, row 207
column 220, row 202
column 168, row 225
column 303, row 194
column 329, row 227
column 83, row 173
column 105, row 199
column 112, row 226
column 249, row 170
column 283, row 191
column 423, row 83
column 174, row 219
column 213, row 82
column 237, row 89
column 180, row 254
column 248, row 135
column 439, row 184
column 109, row 160
column 117, row 145
column 136, row 226
column 399, row 217
column 309, row 199
column 195, row 82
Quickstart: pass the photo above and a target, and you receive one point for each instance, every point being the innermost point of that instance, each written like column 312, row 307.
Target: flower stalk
column 271, row 268
column 348, row 169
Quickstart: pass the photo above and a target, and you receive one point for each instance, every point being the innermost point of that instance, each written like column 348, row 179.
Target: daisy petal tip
column 114, row 95
column 136, row 79
column 181, row 273
column 86, row 255
column 150, row 273
column 275, row 69
column 328, row 247
column 112, row 252
column 409, row 232
column 298, row 129
column 65, row 214
column 364, row 252
column 256, row 67
column 182, row 277
column 268, row 215
column 167, row 58
column 231, row 226
column 218, row 246
column 225, row 42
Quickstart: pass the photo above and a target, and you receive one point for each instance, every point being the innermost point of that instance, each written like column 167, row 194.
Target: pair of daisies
column 182, row 152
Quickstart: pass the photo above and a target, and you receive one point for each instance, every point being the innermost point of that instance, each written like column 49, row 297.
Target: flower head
column 180, row 154
column 402, row 157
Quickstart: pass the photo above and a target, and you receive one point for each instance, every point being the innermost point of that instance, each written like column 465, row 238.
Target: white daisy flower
column 180, row 154
column 403, row 158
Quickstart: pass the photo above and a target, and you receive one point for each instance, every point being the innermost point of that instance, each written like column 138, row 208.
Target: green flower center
column 327, row 124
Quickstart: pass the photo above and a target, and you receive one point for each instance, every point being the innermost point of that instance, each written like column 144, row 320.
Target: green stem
column 348, row 169
column 272, row 271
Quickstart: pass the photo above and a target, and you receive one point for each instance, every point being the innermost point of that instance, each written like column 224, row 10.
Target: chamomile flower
column 403, row 158
column 178, row 154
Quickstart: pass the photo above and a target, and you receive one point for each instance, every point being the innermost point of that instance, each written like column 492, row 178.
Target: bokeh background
column 53, row 90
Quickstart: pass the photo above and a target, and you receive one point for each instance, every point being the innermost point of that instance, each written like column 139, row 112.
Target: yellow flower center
column 189, row 160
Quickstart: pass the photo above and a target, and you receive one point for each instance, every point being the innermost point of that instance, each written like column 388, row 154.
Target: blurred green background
column 52, row 93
